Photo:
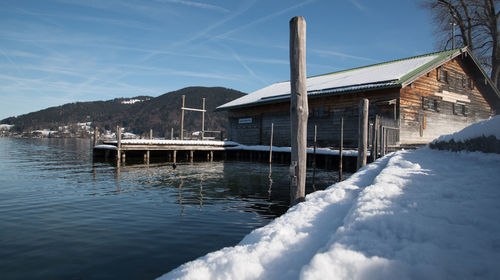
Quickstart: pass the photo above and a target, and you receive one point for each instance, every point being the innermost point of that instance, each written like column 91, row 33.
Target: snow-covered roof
column 387, row 74
column 173, row 142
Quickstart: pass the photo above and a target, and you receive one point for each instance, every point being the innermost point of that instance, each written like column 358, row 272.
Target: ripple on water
column 64, row 216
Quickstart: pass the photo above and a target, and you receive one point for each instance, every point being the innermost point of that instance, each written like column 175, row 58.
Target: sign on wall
column 244, row 120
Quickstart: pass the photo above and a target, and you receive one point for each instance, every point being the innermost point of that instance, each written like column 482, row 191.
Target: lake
column 64, row 216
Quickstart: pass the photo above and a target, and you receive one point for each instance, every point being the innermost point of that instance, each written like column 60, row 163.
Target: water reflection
column 141, row 220
column 201, row 191
column 181, row 184
column 269, row 191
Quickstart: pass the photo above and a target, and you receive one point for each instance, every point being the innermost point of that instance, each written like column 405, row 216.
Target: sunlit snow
column 419, row 214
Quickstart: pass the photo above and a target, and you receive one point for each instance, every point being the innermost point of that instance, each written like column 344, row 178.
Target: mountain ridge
column 136, row 114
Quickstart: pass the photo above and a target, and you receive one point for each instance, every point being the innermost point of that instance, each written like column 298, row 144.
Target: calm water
column 64, row 217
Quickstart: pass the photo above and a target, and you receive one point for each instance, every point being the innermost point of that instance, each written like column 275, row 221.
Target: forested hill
column 137, row 114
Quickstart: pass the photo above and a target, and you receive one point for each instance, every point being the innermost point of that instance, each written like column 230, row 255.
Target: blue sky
column 54, row 52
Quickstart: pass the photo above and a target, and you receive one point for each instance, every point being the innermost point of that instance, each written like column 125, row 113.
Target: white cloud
column 342, row 55
column 197, row 5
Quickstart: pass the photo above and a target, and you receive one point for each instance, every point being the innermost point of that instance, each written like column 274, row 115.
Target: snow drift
column 421, row 214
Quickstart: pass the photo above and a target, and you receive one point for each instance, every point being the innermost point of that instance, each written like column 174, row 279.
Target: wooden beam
column 192, row 109
column 182, row 117
column 271, row 144
column 374, row 150
column 298, row 109
column 95, row 136
column 341, row 149
column 363, row 132
column 118, row 136
column 203, row 121
column 118, row 143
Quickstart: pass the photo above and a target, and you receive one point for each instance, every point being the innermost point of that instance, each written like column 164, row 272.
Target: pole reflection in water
column 128, row 215
column 201, row 191
column 314, row 174
column 118, row 178
column 181, row 184
column 269, row 191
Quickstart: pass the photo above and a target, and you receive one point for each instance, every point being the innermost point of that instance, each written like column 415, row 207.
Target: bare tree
column 477, row 28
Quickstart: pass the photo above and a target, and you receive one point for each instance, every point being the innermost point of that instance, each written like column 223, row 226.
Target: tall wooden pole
column 315, row 144
column 96, row 131
column 271, row 144
column 314, row 157
column 203, row 121
column 118, row 143
column 341, row 149
column 171, row 133
column 298, row 109
column 363, row 132
column 118, row 136
column 374, row 138
column 182, row 117
column 150, row 133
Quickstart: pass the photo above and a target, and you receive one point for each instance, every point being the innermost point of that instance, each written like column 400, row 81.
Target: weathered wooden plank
column 298, row 109
column 363, row 132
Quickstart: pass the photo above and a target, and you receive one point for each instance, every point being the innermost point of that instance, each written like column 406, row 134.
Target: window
column 470, row 83
column 443, row 75
column 430, row 104
column 460, row 109
column 319, row 112
column 464, row 81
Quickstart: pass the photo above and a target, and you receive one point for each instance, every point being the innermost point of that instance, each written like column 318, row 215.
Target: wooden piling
column 341, row 148
column 271, row 144
column 175, row 156
column 375, row 137
column 315, row 145
column 298, row 109
column 182, row 117
column 211, row 156
column 118, row 136
column 382, row 140
column 191, row 156
column 171, row 133
column 96, row 131
column 203, row 121
column 118, row 143
column 314, row 157
column 386, row 142
column 150, row 133
column 363, row 132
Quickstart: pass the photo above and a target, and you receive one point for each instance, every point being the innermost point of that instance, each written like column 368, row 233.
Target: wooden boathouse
column 412, row 101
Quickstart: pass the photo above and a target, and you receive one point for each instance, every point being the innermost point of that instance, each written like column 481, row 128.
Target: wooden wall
column 418, row 124
column 325, row 112
column 421, row 124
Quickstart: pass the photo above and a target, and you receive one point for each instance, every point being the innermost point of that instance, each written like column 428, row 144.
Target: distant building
column 416, row 99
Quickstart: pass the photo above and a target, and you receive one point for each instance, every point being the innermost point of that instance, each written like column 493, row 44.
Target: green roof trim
column 441, row 58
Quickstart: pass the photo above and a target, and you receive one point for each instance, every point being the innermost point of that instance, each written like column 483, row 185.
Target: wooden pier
column 175, row 151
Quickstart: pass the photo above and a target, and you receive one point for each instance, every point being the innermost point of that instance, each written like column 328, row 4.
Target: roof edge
column 443, row 57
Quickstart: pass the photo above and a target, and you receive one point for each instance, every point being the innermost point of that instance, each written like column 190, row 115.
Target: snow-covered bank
column 420, row 214
column 490, row 127
column 483, row 136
